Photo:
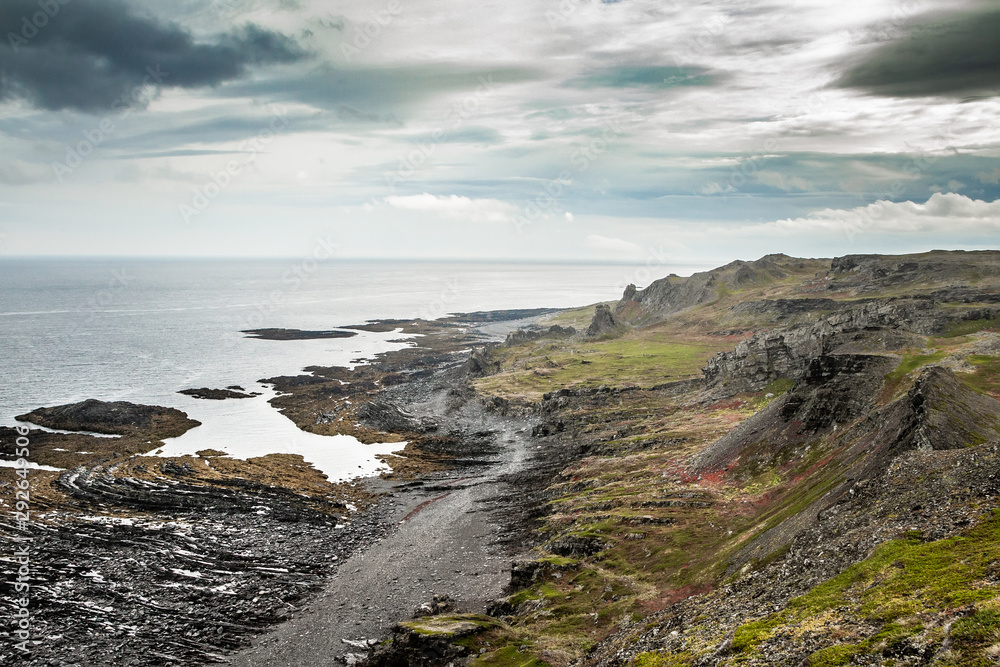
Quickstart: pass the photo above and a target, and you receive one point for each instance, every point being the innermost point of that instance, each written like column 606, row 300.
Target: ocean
column 141, row 330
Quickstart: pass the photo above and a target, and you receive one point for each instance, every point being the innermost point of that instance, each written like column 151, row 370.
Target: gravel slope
column 447, row 540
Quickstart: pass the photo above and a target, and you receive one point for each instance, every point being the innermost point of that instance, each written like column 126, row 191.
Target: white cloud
column 715, row 188
column 777, row 180
column 455, row 207
column 609, row 245
column 991, row 177
column 943, row 212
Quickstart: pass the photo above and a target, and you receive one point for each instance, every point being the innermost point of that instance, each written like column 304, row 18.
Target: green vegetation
column 902, row 579
column 971, row 635
column 637, row 360
column 911, row 362
column 986, row 378
column 508, row 656
column 457, row 625
column 652, row 659
column 969, row 327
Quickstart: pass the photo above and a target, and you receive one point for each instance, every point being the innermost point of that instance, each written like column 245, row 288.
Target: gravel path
column 446, row 541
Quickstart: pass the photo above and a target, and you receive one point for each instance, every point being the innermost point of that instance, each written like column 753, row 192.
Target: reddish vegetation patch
column 673, row 596
column 422, row 506
column 731, row 404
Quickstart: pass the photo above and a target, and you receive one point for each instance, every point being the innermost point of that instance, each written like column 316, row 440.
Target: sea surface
column 141, row 330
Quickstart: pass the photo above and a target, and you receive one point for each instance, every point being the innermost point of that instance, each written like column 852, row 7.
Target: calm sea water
column 141, row 330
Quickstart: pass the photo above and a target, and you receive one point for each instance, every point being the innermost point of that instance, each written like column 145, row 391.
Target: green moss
column 777, row 388
column 662, row 659
column 971, row 635
column 560, row 561
column 902, row 578
column 457, row 625
column 833, row 656
column 986, row 377
column 968, row 327
column 910, row 363
column 509, row 656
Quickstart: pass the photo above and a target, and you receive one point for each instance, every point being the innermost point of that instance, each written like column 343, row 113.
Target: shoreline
column 143, row 507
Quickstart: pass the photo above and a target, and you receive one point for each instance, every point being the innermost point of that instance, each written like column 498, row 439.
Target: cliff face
column 672, row 294
column 871, row 273
column 877, row 325
column 945, row 275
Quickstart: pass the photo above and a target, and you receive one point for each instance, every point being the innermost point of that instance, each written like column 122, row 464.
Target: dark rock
column 296, row 334
column 116, row 418
column 522, row 336
column 217, row 394
column 603, row 324
column 480, row 363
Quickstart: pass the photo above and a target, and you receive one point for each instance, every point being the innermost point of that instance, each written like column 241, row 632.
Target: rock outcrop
column 871, row 326
column 872, row 273
column 673, row 294
column 116, row 418
column 604, row 323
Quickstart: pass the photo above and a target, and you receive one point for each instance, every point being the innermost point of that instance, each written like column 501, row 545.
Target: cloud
column 19, row 172
column 627, row 76
column 610, row 245
column 715, row 188
column 380, row 93
column 455, row 207
column 91, row 53
column 954, row 55
column 989, row 177
column 780, row 181
column 942, row 213
column 464, row 135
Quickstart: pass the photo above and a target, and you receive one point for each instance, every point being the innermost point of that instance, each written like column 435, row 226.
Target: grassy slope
column 670, row 534
column 642, row 358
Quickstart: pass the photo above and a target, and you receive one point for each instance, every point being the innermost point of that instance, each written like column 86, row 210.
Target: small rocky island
column 205, row 393
column 296, row 334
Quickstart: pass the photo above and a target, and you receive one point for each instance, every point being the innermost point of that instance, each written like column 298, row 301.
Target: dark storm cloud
column 86, row 54
column 649, row 76
column 954, row 55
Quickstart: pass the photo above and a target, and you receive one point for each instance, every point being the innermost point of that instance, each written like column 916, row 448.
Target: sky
column 670, row 132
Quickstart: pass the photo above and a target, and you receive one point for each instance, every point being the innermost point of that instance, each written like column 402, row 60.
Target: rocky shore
column 140, row 560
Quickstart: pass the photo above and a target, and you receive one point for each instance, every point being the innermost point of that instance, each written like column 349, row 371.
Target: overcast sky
column 680, row 132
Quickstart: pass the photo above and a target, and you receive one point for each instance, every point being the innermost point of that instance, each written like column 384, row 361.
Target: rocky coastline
column 141, row 560
column 768, row 463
